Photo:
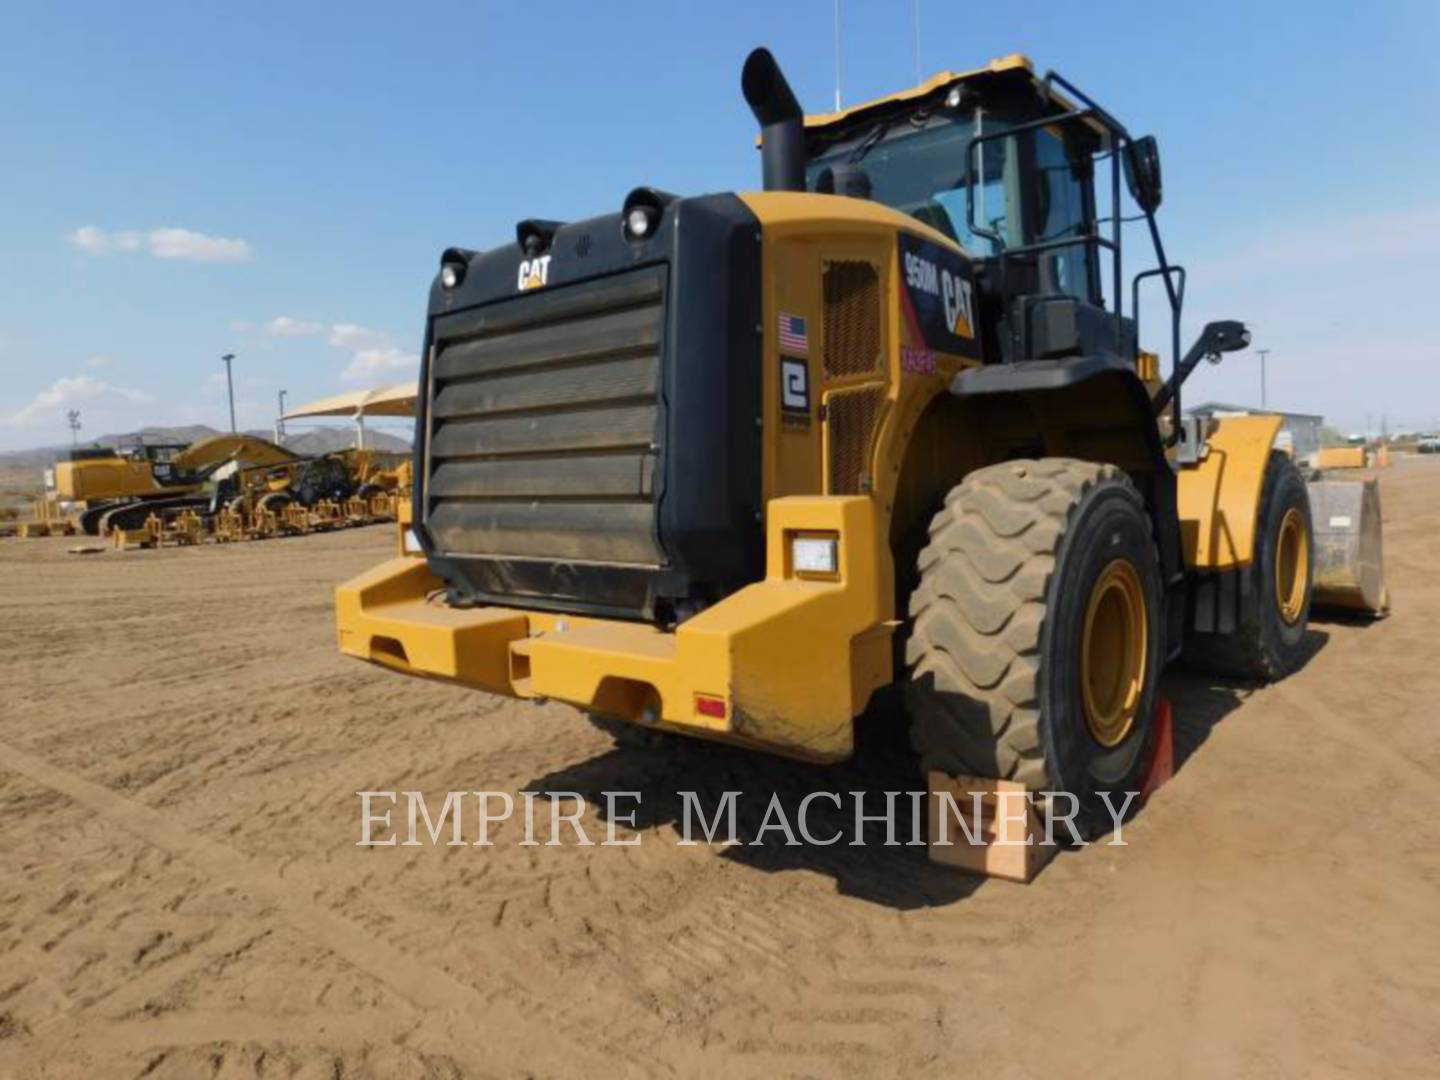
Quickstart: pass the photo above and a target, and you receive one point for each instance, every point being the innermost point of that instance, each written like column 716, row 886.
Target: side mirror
column 1142, row 173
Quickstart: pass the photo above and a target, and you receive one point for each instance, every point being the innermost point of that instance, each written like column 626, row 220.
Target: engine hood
column 577, row 251
column 820, row 217
column 597, row 246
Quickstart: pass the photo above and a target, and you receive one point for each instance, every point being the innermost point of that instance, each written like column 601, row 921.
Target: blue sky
column 277, row 180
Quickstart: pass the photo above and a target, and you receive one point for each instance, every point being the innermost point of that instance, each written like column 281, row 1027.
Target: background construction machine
column 118, row 488
column 335, row 476
column 728, row 465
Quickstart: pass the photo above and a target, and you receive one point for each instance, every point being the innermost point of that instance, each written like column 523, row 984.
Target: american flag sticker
column 794, row 335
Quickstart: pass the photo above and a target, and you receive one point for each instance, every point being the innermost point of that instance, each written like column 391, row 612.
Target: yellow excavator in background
column 119, row 487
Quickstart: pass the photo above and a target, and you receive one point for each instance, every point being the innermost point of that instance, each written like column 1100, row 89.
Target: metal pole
column 837, row 55
column 1263, row 354
column 280, row 420
column 230, row 389
column 917, row 42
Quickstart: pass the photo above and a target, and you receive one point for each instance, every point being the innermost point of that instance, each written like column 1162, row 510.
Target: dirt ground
column 181, row 893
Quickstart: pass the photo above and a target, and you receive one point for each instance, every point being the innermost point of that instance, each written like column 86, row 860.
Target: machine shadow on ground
column 899, row 877
column 1199, row 701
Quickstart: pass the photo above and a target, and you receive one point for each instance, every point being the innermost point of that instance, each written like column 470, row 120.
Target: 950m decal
column 937, row 299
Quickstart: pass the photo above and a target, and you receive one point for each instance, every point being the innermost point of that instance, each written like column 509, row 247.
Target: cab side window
column 1062, row 211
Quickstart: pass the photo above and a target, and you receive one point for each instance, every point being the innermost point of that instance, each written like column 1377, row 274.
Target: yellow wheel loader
column 335, row 476
column 727, row 465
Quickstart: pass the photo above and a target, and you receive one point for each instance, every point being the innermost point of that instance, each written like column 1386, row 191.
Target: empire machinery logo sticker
column 794, row 338
column 938, row 304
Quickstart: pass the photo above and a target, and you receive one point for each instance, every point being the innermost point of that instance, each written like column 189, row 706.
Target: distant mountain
column 324, row 440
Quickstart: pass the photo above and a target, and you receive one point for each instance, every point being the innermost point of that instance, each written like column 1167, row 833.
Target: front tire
column 1276, row 586
column 1037, row 636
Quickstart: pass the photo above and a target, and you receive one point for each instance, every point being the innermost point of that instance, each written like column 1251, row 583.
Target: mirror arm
column 1217, row 338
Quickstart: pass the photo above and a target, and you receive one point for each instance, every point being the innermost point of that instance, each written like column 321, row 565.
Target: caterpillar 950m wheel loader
column 727, row 465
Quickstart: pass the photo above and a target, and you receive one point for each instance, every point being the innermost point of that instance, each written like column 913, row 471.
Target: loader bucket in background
column 1349, row 567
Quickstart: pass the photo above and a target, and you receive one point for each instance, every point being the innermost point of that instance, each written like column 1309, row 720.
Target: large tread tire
column 993, row 654
column 1263, row 646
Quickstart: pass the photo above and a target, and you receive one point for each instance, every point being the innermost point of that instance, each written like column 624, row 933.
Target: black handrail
column 1120, row 143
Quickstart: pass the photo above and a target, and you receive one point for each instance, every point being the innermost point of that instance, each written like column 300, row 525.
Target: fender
column 1094, row 408
column 1219, row 496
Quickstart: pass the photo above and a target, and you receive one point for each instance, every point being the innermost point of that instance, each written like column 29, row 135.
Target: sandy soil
column 181, row 894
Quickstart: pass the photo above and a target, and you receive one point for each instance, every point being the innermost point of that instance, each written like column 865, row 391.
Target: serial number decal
column 938, row 301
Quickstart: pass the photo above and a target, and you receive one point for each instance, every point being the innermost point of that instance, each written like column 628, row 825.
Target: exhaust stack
column 782, row 129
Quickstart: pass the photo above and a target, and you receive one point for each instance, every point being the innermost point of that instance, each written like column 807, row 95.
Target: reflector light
column 706, row 705
column 814, row 554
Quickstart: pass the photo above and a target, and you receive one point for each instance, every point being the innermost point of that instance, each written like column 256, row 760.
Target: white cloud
column 350, row 336
column 163, row 243
column 72, row 391
column 285, row 326
column 371, row 363
column 94, row 240
column 374, row 355
column 171, row 243
column 96, row 362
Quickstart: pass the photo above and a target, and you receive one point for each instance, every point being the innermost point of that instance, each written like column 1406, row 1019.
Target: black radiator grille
column 542, row 424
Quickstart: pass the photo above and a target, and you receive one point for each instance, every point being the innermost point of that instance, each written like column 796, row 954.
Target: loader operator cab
column 917, row 165
column 1005, row 163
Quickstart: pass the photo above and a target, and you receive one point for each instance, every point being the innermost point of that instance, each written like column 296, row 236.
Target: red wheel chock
column 1162, row 758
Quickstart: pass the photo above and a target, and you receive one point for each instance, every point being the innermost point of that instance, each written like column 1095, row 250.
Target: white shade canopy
column 386, row 401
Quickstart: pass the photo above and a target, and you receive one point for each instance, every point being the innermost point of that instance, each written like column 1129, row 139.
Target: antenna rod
column 837, row 55
column 917, row 42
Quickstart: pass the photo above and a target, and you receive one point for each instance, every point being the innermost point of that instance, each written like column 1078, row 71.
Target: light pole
column 72, row 417
column 1263, row 353
column 230, row 388
column 280, row 421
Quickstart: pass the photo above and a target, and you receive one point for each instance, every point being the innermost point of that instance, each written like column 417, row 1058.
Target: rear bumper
column 784, row 664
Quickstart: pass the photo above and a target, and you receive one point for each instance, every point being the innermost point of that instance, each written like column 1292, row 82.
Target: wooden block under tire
column 1009, row 836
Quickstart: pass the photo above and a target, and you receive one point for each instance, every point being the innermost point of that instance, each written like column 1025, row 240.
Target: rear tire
column 1275, row 588
column 1027, row 563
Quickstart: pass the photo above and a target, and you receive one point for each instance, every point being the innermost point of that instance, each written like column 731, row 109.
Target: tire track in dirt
column 444, row 1001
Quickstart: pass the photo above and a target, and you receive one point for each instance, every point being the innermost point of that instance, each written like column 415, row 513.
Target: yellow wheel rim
column 1292, row 566
column 1112, row 653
